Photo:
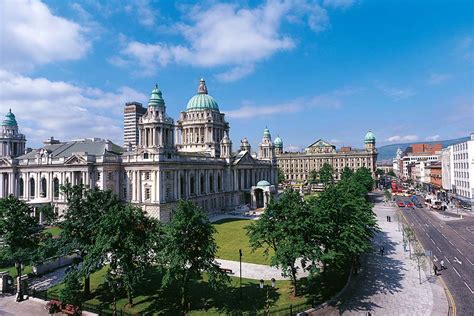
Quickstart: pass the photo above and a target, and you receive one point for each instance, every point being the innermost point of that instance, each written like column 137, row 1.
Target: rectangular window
column 147, row 194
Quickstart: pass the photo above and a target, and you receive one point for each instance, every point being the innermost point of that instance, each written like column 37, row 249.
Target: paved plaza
column 389, row 284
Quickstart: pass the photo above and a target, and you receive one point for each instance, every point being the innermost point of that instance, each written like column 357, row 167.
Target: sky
column 307, row 69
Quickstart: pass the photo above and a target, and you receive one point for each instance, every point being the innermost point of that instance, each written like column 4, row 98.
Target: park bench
column 228, row 271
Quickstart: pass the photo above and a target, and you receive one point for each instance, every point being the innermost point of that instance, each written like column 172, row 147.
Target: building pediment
column 5, row 163
column 75, row 160
column 243, row 157
column 320, row 146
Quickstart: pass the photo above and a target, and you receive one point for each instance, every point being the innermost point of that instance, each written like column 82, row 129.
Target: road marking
column 434, row 258
column 459, row 251
column 450, row 242
column 438, row 248
column 456, row 272
column 447, row 259
column 469, row 288
column 469, row 261
column 457, row 260
column 432, row 241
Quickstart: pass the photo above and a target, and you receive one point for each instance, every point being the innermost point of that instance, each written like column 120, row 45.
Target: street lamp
column 19, row 266
column 261, row 283
column 240, row 278
column 273, row 282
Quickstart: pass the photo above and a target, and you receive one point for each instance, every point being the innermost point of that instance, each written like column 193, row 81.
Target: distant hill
column 388, row 152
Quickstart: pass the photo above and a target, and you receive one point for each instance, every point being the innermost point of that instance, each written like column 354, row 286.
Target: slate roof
column 66, row 149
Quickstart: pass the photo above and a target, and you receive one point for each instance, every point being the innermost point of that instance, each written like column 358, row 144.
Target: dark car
column 401, row 204
column 418, row 204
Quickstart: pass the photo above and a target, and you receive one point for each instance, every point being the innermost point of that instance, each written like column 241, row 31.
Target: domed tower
column 278, row 145
column 369, row 141
column 202, row 127
column 245, row 145
column 266, row 147
column 12, row 143
column 226, row 147
column 156, row 128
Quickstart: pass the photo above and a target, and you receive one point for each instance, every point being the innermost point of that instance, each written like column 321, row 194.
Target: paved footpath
column 389, row 284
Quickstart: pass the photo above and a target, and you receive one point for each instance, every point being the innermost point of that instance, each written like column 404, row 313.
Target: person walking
column 435, row 268
column 442, row 264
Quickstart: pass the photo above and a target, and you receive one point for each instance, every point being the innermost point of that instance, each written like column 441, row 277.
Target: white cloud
column 437, row 78
column 293, row 148
column 343, row 4
column 433, row 138
column 465, row 48
column 32, row 35
column 396, row 93
column 227, row 35
column 406, row 138
column 55, row 108
column 333, row 100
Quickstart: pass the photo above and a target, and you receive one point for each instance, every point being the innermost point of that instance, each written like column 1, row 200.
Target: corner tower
column 12, row 142
column 266, row 149
column 201, row 127
column 369, row 141
column 278, row 145
column 156, row 128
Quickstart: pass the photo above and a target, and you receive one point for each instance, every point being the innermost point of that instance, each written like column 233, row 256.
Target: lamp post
column 240, row 273
column 263, row 285
column 19, row 266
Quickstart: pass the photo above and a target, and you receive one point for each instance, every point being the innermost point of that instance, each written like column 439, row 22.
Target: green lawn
column 12, row 270
column 55, row 231
column 231, row 236
column 150, row 298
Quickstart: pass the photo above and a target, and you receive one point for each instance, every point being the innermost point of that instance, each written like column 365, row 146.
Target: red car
column 409, row 204
column 401, row 204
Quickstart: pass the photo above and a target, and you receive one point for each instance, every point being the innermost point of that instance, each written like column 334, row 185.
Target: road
column 452, row 241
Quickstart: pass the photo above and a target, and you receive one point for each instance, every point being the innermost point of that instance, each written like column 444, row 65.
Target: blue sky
column 328, row 69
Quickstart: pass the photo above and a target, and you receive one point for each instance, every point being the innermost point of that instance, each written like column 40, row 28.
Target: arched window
column 21, row 188
column 32, row 188
column 182, row 186
column 211, row 183
column 56, row 188
column 203, row 189
column 44, row 187
column 191, row 186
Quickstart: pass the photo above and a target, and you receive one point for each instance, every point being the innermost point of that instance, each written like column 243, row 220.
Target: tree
column 72, row 293
column 388, row 195
column 281, row 176
column 409, row 235
column 419, row 256
column 283, row 228
column 85, row 209
column 346, row 173
column 379, row 172
column 391, row 173
column 127, row 240
column 190, row 249
column 326, row 174
column 313, row 176
column 364, row 177
column 20, row 233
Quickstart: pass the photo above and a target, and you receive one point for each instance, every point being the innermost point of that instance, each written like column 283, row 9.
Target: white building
column 462, row 165
column 446, row 168
column 191, row 160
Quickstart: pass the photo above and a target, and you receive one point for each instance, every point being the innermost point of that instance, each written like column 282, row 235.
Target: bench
column 227, row 271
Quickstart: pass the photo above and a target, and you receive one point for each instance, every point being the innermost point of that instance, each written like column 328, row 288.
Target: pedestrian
column 442, row 264
column 435, row 268
column 382, row 249
column 390, row 219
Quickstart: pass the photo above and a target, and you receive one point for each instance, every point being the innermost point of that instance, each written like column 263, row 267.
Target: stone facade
column 297, row 166
column 191, row 159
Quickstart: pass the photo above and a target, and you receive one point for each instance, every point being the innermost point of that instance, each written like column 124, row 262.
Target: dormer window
column 145, row 156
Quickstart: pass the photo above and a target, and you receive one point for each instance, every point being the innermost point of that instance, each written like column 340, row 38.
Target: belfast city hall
column 161, row 162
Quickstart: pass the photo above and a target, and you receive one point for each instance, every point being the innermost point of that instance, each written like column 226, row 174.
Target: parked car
column 400, row 204
column 418, row 204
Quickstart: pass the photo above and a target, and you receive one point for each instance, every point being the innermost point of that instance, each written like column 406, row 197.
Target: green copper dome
column 156, row 98
column 263, row 183
column 9, row 119
column 278, row 142
column 266, row 132
column 202, row 100
column 369, row 137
